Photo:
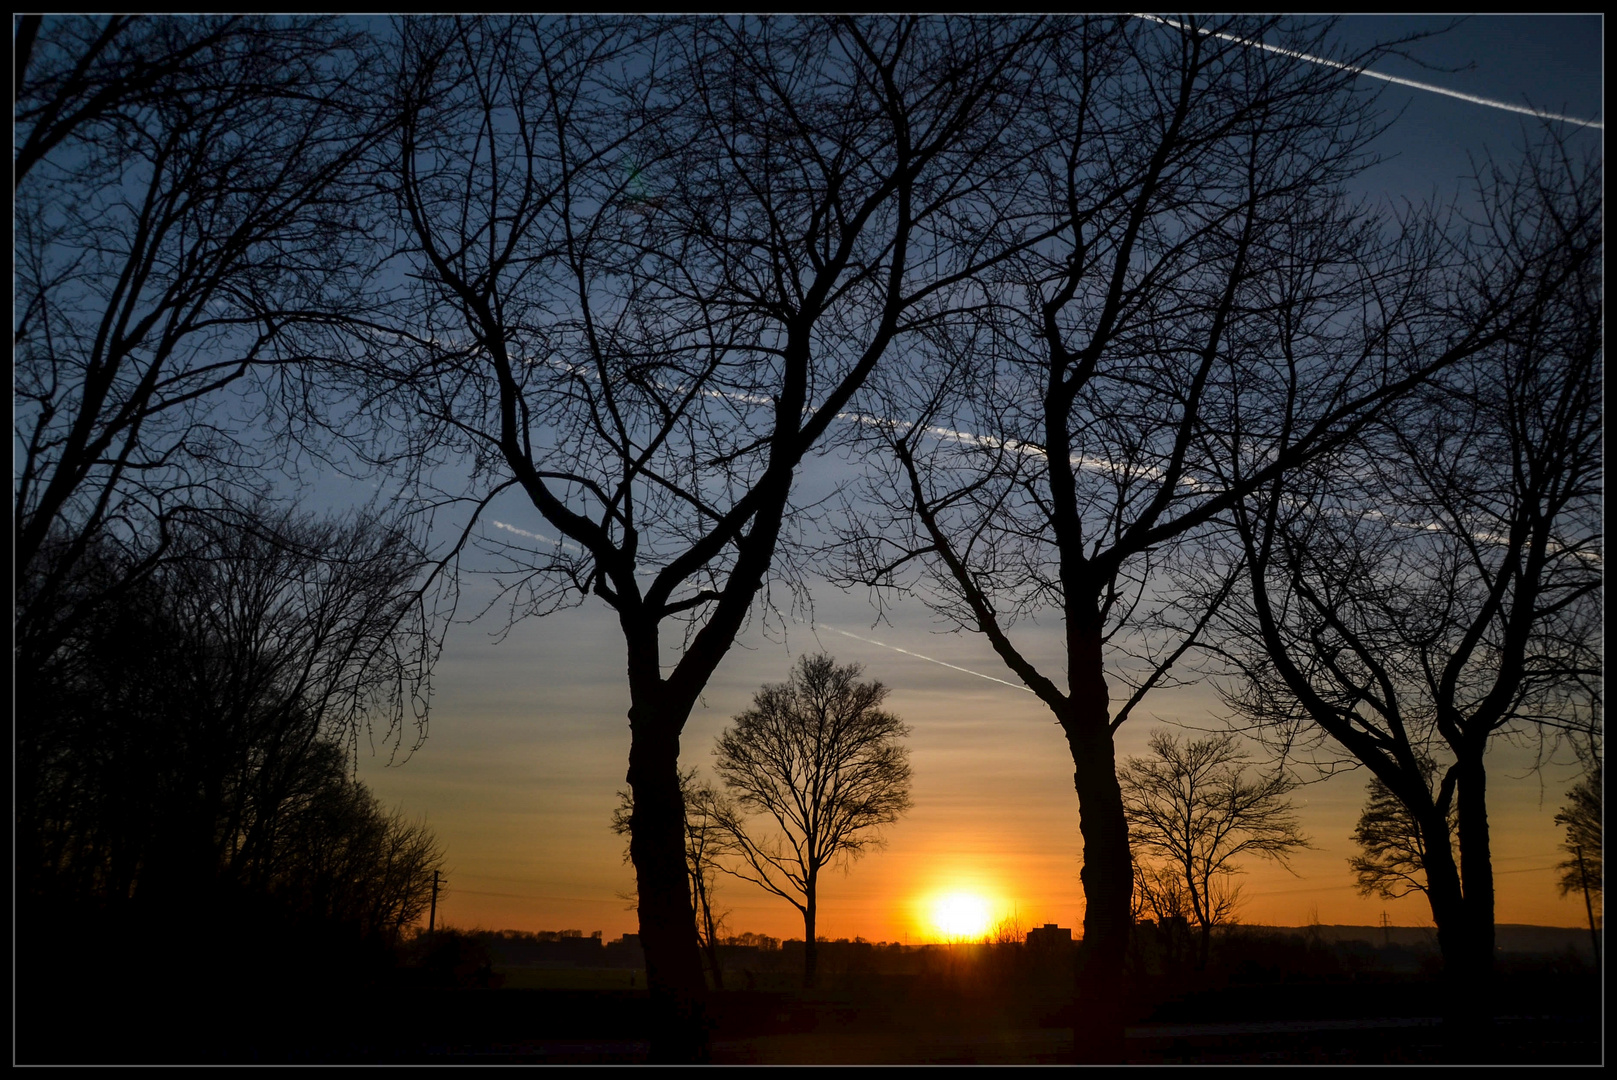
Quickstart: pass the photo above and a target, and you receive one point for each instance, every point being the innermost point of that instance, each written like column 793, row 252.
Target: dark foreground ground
column 1545, row 1018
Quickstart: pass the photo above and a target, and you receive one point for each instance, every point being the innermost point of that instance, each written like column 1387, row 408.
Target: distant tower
column 1386, row 931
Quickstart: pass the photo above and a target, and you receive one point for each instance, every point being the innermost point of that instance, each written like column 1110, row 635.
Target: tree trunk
column 811, row 955
column 1588, row 906
column 1444, row 893
column 1464, row 1001
column 710, row 933
column 1201, row 906
column 1476, row 864
column 1108, row 880
column 667, row 919
column 1474, row 1000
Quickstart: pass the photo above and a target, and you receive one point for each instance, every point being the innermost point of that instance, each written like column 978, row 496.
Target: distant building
column 1049, row 936
column 626, row 952
column 546, row 948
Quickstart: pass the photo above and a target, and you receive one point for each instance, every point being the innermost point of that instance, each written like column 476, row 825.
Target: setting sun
column 960, row 915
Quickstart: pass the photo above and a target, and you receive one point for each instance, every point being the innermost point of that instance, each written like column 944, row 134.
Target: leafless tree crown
column 1194, row 813
column 821, row 766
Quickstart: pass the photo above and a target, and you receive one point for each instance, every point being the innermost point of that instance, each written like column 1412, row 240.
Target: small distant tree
column 1007, row 931
column 756, row 941
column 1392, row 862
column 818, row 758
column 1582, row 872
column 1581, row 818
column 1193, row 812
column 1161, row 896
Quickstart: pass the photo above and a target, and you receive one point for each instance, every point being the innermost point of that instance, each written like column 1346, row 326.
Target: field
column 1265, row 999
column 910, row 1021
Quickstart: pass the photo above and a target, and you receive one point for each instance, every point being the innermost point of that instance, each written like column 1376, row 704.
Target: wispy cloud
column 1491, row 103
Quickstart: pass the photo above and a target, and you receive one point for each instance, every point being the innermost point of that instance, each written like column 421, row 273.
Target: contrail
column 1472, row 98
column 928, row 659
column 563, row 544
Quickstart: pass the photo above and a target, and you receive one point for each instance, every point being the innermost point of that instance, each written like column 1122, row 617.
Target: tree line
column 1087, row 297
column 185, row 769
column 195, row 660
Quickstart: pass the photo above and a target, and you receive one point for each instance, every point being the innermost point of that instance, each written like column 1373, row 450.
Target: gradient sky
column 528, row 739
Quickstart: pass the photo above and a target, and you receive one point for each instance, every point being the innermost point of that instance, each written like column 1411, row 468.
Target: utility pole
column 1386, row 932
column 432, row 913
column 1588, row 905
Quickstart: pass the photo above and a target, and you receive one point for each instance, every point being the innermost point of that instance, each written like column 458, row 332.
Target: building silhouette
column 1049, row 936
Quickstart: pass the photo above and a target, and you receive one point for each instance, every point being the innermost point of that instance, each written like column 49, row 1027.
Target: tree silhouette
column 176, row 737
column 1204, row 311
column 1581, row 817
column 824, row 768
column 1584, row 871
column 1191, row 806
column 339, row 857
column 649, row 266
column 1160, row 893
column 1436, row 585
column 186, row 221
column 184, row 784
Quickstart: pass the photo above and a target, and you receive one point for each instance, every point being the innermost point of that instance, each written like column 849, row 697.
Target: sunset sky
column 528, row 739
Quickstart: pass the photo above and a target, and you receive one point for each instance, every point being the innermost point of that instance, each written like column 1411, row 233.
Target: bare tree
column 185, row 209
column 1584, row 871
column 823, row 766
column 651, row 266
column 102, row 73
column 706, row 840
column 1207, row 311
column 1437, row 586
column 1160, row 894
column 1192, row 807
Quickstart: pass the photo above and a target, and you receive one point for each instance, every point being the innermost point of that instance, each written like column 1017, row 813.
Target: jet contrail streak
column 564, row 545
column 1472, row 98
column 928, row 659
